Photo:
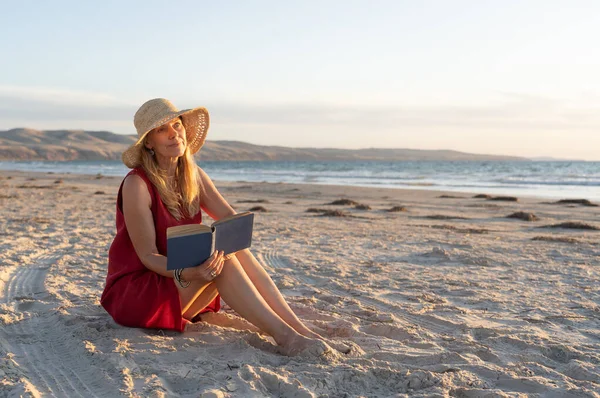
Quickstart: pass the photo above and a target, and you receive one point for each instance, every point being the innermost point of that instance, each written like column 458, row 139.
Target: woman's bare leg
column 217, row 318
column 240, row 294
column 271, row 294
column 196, row 299
column 193, row 299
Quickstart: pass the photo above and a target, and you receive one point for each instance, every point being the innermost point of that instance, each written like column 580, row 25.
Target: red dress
column 134, row 295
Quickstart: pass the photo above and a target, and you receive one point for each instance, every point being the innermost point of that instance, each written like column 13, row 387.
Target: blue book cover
column 192, row 244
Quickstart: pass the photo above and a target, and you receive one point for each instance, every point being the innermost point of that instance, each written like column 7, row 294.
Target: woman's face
column 168, row 140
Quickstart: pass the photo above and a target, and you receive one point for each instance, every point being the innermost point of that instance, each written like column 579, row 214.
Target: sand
column 447, row 297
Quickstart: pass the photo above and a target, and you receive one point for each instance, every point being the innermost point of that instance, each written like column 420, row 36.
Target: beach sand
column 446, row 297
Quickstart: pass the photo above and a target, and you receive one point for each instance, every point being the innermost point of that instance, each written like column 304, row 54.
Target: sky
column 504, row 77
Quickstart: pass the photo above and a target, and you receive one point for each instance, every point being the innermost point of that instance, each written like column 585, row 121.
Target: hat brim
column 196, row 122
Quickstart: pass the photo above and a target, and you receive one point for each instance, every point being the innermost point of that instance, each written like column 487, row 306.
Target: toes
column 354, row 349
column 320, row 350
column 316, row 349
column 342, row 347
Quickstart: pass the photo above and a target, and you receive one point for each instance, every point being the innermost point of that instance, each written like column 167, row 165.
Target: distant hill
column 29, row 144
column 61, row 145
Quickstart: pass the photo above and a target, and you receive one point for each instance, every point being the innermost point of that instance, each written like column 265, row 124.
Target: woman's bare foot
column 299, row 345
column 341, row 347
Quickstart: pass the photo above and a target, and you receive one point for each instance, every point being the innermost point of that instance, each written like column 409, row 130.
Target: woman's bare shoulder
column 202, row 173
column 203, row 178
column 133, row 181
column 134, row 187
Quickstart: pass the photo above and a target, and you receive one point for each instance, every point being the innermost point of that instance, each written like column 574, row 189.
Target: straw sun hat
column 159, row 111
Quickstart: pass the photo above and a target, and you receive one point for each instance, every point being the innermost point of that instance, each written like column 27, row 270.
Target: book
column 192, row 244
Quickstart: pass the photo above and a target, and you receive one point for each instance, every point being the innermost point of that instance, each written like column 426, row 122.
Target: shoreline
column 333, row 187
column 442, row 297
column 575, row 182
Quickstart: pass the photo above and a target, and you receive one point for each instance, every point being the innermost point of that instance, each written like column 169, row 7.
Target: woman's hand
column 207, row 271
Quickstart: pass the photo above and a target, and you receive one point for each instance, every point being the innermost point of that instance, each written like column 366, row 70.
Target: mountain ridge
column 64, row 145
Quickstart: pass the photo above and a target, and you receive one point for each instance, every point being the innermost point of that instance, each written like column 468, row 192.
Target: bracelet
column 177, row 276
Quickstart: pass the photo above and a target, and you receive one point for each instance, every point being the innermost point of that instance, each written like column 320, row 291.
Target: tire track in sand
column 43, row 346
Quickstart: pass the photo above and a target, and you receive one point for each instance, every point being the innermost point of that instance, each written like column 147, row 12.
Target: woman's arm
column 211, row 200
column 140, row 224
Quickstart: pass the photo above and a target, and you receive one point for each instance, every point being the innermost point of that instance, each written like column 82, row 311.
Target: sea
column 546, row 179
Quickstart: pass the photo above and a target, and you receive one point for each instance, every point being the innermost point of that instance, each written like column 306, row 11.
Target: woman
column 164, row 189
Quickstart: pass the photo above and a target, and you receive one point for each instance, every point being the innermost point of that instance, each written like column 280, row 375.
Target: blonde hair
column 183, row 199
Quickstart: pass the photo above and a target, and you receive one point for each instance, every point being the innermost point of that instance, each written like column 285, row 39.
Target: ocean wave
column 542, row 178
column 309, row 175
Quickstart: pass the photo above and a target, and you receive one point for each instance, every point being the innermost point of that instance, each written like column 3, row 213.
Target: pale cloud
column 509, row 123
column 510, row 112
